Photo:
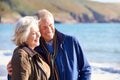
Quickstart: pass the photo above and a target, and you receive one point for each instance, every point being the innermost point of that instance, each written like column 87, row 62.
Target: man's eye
column 51, row 25
column 44, row 28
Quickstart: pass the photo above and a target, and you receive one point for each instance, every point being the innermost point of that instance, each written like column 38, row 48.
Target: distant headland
column 64, row 11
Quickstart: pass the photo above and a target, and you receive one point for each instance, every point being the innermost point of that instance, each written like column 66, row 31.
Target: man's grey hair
column 43, row 13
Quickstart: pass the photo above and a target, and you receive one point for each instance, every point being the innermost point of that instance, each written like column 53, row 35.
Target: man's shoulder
column 61, row 34
column 64, row 36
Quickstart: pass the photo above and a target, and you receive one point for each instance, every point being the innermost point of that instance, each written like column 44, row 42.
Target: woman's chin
column 37, row 44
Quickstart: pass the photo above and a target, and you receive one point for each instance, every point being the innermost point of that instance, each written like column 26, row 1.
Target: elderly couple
column 44, row 53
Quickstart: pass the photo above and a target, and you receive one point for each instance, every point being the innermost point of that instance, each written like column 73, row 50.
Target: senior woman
column 27, row 64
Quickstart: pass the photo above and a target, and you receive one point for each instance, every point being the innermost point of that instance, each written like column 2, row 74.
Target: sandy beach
column 97, row 74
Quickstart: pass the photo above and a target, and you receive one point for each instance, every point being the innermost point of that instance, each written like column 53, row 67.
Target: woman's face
column 33, row 37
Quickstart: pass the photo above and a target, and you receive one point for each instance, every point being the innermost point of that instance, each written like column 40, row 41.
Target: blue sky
column 107, row 0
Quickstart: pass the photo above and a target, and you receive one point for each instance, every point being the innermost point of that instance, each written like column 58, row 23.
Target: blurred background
column 95, row 23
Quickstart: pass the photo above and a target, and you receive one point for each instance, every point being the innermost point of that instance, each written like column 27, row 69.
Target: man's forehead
column 47, row 21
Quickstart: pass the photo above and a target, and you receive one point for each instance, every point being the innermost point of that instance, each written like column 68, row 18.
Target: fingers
column 9, row 68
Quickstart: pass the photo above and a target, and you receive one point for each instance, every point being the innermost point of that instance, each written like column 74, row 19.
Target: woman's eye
column 33, row 33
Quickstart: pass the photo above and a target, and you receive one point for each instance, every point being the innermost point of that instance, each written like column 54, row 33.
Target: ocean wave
column 105, row 71
column 6, row 52
column 5, row 56
column 3, row 77
column 103, row 50
column 107, row 67
column 110, row 70
column 3, row 70
column 100, row 71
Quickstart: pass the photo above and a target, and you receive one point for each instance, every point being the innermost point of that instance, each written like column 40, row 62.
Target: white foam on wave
column 106, row 65
column 3, row 78
column 100, row 71
column 105, row 71
column 5, row 56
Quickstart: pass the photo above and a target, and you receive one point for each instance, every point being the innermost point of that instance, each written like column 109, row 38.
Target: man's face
column 47, row 29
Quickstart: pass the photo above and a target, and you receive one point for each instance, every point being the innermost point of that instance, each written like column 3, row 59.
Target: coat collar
column 60, row 37
column 30, row 51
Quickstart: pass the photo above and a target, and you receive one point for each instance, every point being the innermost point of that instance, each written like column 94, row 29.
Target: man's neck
column 50, row 42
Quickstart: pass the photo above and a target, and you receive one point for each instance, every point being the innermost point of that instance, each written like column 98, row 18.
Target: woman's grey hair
column 22, row 29
column 43, row 14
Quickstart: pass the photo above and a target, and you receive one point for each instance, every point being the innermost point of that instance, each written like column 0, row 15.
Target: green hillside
column 65, row 11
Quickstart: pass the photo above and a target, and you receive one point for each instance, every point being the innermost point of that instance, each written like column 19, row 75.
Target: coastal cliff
column 64, row 11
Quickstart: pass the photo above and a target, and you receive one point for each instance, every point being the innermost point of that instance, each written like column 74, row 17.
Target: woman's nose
column 38, row 34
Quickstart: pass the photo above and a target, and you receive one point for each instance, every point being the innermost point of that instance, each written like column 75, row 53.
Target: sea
column 100, row 43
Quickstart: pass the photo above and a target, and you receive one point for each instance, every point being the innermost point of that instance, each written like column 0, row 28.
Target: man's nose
column 48, row 28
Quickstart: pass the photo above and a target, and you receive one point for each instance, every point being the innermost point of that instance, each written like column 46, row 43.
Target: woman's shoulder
column 19, row 51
